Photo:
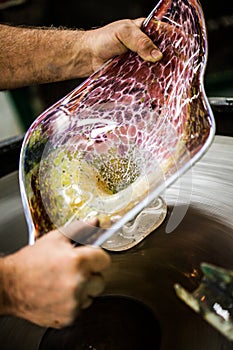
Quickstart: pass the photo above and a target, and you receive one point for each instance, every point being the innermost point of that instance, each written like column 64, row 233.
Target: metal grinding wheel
column 148, row 272
column 203, row 200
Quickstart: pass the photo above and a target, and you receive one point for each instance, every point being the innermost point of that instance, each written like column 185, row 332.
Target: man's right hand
column 50, row 282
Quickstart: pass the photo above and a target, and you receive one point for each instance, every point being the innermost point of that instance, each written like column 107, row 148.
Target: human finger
column 92, row 259
column 137, row 41
column 94, row 287
column 146, row 48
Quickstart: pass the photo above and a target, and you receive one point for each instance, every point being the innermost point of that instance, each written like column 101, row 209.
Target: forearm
column 33, row 56
column 6, row 305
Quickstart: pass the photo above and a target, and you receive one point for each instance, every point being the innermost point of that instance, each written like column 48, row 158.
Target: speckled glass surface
column 111, row 146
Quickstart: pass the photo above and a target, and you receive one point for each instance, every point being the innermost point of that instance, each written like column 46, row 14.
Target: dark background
column 87, row 14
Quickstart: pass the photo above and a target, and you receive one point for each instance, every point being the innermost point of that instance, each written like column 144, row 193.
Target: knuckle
column 126, row 24
column 124, row 28
column 82, row 261
column 143, row 43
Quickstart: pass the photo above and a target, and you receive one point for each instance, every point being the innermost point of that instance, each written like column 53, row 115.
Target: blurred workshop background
column 18, row 108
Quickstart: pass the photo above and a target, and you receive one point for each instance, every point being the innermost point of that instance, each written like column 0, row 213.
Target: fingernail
column 156, row 54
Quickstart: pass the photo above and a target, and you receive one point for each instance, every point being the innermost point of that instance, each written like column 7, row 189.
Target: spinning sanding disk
column 199, row 227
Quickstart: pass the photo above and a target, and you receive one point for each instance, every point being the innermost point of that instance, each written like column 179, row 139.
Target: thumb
column 146, row 49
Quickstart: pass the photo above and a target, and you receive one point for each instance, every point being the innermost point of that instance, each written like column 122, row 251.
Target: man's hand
column 50, row 282
column 34, row 56
column 116, row 38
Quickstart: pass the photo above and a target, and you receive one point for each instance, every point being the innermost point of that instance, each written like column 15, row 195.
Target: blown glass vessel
column 110, row 147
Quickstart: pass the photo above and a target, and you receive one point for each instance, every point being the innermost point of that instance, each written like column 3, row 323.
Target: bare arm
column 50, row 282
column 31, row 56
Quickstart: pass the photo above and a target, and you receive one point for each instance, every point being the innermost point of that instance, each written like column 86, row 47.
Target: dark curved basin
column 146, row 274
column 150, row 272
column 116, row 323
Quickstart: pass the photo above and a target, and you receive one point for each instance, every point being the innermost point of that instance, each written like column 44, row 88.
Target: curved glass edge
column 148, row 220
column 154, row 194
column 132, row 213
column 27, row 212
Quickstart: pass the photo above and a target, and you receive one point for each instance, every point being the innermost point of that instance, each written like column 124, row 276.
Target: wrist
column 82, row 53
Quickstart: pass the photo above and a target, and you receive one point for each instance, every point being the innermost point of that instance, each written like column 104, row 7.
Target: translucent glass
column 111, row 146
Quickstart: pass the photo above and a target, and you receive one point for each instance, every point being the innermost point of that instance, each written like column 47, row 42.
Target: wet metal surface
column 199, row 227
column 114, row 323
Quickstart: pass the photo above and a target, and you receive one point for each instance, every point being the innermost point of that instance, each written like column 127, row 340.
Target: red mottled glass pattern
column 131, row 129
